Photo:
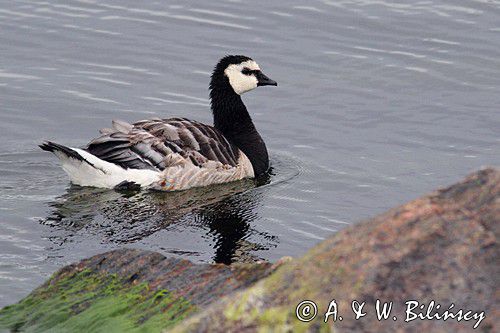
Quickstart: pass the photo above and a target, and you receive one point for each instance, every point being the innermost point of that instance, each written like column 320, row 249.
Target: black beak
column 263, row 80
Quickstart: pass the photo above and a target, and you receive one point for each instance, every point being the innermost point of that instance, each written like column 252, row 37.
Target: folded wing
column 157, row 144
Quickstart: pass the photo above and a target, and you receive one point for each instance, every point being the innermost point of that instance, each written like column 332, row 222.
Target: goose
column 177, row 153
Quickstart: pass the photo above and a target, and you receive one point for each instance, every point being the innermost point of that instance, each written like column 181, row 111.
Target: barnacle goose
column 177, row 153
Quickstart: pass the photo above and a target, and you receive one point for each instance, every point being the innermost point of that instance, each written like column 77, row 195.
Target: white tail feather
column 99, row 173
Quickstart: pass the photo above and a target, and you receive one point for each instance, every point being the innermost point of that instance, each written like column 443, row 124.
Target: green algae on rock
column 95, row 302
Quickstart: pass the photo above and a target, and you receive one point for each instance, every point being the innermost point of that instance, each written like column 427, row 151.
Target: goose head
column 239, row 73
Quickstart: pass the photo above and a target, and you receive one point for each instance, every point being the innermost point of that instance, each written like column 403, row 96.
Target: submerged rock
column 439, row 249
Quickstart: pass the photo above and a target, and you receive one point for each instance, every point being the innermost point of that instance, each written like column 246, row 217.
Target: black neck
column 232, row 119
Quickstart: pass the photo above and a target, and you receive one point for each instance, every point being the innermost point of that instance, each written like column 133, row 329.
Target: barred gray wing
column 157, row 144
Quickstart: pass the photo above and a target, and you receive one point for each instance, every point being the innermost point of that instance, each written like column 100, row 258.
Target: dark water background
column 378, row 102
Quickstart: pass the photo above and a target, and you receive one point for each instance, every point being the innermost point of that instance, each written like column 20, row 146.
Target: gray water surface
column 378, row 102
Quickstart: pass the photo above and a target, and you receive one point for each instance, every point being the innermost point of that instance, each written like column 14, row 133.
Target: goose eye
column 246, row 71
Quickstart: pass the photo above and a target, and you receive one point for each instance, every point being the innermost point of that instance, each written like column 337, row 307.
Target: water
column 378, row 102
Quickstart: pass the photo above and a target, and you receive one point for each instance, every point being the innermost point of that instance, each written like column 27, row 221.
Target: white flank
column 181, row 176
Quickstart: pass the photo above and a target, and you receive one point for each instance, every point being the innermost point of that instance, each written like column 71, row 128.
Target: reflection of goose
column 221, row 214
column 177, row 153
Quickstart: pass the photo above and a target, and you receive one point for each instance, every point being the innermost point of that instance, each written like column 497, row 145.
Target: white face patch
column 240, row 82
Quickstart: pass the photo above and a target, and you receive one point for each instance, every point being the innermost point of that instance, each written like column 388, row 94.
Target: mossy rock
column 126, row 291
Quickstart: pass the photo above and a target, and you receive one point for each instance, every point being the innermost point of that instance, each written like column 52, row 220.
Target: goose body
column 178, row 153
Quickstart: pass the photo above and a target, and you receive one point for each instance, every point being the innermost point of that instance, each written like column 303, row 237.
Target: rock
column 125, row 291
column 442, row 247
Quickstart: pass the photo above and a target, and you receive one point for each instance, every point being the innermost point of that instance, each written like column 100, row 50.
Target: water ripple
column 376, row 99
